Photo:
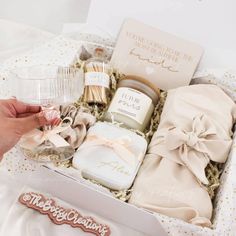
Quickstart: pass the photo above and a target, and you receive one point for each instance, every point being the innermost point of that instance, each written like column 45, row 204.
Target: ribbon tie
column 194, row 148
column 192, row 139
column 120, row 146
column 36, row 137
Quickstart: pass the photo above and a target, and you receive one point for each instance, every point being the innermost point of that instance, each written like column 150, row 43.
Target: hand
column 17, row 118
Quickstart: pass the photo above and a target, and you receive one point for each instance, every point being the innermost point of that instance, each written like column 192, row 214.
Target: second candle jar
column 133, row 103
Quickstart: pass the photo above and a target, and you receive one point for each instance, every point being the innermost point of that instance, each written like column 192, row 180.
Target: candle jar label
column 97, row 79
column 131, row 103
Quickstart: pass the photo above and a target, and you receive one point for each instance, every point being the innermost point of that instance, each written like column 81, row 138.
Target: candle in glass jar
column 133, row 103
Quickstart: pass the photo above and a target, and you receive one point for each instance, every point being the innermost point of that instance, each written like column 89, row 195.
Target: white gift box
column 124, row 213
column 81, row 196
column 97, row 199
column 101, row 160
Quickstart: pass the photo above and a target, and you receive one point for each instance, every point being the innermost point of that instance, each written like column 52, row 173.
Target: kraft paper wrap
column 195, row 127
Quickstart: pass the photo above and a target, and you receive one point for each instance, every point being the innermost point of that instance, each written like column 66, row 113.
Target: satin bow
column 120, row 146
column 36, row 137
column 194, row 148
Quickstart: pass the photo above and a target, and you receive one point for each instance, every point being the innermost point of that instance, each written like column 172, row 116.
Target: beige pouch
column 195, row 128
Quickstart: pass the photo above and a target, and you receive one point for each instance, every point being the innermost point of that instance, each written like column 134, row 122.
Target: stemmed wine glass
column 48, row 86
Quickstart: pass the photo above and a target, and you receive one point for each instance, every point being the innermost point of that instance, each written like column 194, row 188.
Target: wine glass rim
column 16, row 71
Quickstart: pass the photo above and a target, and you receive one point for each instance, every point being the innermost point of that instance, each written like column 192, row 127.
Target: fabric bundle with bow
column 195, row 128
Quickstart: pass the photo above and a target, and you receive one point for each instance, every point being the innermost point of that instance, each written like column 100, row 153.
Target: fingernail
column 41, row 118
column 50, row 115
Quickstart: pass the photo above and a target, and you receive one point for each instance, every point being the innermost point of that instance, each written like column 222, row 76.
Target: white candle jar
column 133, row 103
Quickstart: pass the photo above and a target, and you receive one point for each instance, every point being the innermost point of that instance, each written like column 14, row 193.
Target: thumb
column 26, row 124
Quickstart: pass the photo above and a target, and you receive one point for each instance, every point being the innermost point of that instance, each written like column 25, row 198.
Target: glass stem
column 47, row 128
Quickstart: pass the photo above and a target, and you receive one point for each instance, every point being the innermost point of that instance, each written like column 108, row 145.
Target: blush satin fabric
column 195, row 128
column 82, row 120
